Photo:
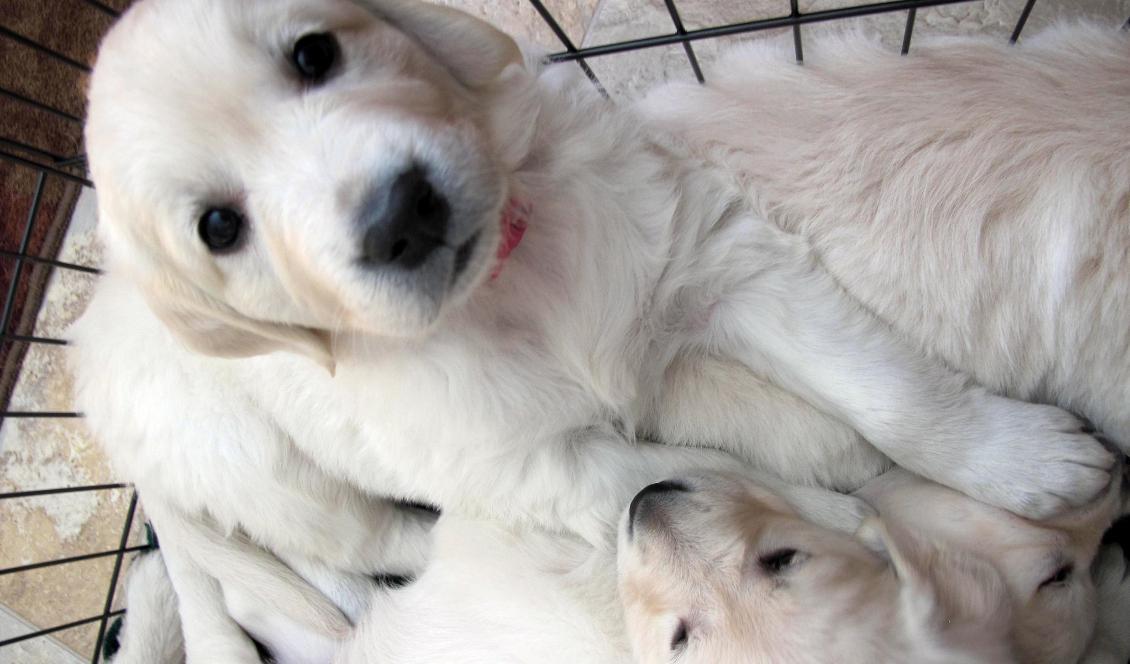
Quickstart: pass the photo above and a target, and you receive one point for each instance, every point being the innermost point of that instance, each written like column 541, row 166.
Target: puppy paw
column 1036, row 461
column 828, row 509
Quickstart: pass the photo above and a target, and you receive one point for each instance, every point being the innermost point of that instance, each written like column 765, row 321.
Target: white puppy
column 973, row 194
column 333, row 182
column 716, row 569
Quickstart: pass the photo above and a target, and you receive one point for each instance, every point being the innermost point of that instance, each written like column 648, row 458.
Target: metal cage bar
column 1023, row 19
column 911, row 15
column 45, row 50
column 33, row 493
column 687, row 48
column 555, row 27
column 59, row 628
column 4, row 253
column 750, row 26
column 114, row 578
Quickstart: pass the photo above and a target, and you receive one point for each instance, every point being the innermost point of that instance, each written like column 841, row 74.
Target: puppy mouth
column 463, row 255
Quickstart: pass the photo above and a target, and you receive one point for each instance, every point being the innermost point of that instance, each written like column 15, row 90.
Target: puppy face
column 1044, row 565
column 273, row 171
column 713, row 569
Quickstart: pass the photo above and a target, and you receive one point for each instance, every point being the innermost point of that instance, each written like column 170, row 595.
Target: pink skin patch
column 514, row 222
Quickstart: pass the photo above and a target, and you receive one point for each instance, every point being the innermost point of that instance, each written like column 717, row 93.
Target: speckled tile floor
column 50, row 453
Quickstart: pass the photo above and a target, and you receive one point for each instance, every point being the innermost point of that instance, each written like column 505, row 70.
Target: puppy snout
column 406, row 226
column 643, row 507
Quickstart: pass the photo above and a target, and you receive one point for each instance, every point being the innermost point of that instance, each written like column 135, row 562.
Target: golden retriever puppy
column 502, row 270
column 716, row 569
column 972, row 194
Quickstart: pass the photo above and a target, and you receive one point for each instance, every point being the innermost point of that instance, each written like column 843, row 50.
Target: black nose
column 651, row 491
column 406, row 224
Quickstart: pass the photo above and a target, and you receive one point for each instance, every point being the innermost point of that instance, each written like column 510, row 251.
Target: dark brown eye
column 314, row 54
column 778, row 561
column 1061, row 576
column 679, row 639
column 220, row 228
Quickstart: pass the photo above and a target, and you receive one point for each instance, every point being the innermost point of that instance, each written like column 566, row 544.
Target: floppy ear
column 473, row 50
column 212, row 328
column 938, row 588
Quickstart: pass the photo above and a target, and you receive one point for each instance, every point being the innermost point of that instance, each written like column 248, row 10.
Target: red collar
column 515, row 218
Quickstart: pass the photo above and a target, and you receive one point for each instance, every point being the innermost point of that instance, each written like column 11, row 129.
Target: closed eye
column 779, row 560
column 679, row 638
column 1060, row 577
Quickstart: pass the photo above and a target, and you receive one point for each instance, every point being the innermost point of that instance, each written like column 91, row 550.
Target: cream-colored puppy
column 716, row 569
column 972, row 194
column 507, row 275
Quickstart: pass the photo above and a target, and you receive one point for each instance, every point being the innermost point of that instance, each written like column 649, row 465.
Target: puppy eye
column 220, row 228
column 1061, row 576
column 679, row 639
column 314, row 54
column 778, row 561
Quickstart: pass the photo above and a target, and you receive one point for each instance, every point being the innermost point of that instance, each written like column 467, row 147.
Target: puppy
column 507, row 276
column 496, row 593
column 255, row 536
column 716, row 569
column 972, row 194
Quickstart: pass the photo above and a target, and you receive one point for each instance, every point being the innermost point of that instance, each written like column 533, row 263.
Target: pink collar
column 515, row 218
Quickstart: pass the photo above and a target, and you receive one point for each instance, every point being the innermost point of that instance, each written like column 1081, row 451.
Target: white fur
column 972, row 194
column 229, row 493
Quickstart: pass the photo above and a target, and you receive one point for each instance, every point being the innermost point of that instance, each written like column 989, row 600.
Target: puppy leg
column 584, row 483
column 228, row 585
column 792, row 322
column 211, row 636
column 151, row 630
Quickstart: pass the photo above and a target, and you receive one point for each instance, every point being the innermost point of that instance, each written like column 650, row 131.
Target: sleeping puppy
column 506, row 275
column 972, row 194
column 716, row 569
column 494, row 593
column 256, row 537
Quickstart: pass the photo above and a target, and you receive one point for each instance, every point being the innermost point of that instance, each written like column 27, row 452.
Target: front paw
column 828, row 509
column 1036, row 461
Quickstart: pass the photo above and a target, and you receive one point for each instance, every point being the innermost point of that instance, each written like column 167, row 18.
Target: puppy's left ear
column 938, row 588
column 473, row 50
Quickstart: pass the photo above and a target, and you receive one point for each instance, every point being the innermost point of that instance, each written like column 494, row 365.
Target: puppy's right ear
column 473, row 50
column 212, row 328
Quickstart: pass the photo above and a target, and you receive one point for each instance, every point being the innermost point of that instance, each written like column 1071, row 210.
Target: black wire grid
column 48, row 165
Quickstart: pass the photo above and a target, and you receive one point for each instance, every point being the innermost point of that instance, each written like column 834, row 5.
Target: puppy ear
column 939, row 589
column 473, row 50
column 213, row 328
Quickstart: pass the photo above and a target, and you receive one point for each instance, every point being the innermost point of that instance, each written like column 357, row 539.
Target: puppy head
column 714, row 569
column 1044, row 565
column 275, row 171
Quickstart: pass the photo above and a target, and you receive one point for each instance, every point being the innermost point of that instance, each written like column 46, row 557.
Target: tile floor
column 51, row 453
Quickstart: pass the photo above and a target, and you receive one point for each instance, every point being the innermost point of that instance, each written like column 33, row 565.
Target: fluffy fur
column 229, row 493
column 973, row 194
